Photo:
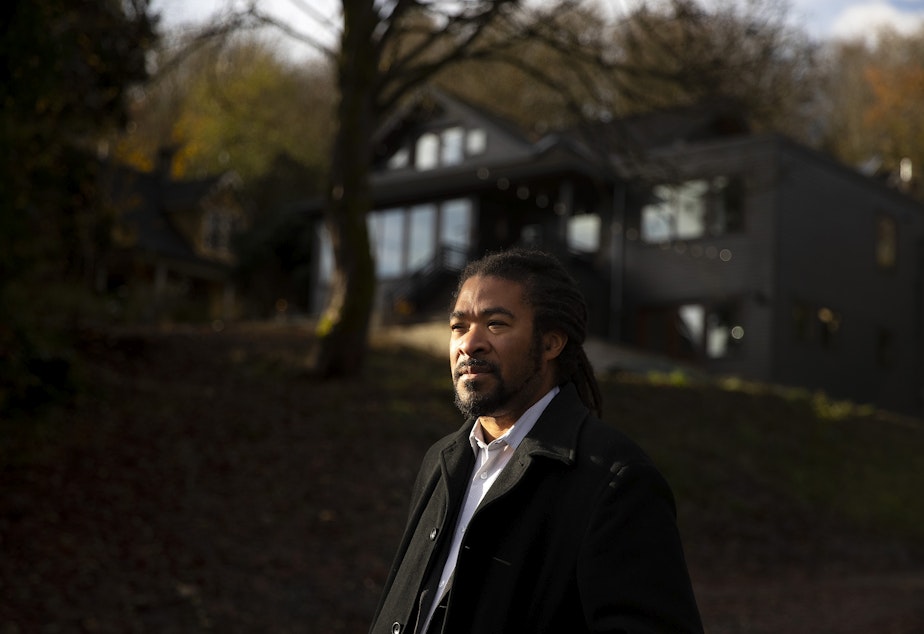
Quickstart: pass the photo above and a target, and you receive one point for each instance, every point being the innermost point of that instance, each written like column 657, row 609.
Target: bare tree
column 387, row 51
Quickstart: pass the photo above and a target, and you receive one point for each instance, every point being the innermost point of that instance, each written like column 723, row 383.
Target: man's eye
column 455, row 327
column 496, row 324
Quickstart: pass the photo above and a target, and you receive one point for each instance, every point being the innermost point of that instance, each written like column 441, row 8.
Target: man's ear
column 553, row 343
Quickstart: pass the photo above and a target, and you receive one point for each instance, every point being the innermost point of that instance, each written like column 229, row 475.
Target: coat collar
column 555, row 434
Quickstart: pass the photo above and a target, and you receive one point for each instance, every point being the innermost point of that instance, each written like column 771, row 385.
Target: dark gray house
column 692, row 237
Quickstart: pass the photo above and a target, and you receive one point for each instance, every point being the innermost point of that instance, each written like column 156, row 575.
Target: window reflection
column 711, row 331
column 442, row 148
column 399, row 159
column 387, row 233
column 584, row 233
column 421, row 245
column 691, row 210
column 476, row 142
column 325, row 254
column 452, row 151
column 216, row 231
column 404, row 240
column 427, row 151
column 456, row 223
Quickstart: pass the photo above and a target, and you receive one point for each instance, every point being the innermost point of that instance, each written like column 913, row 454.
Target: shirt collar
column 518, row 430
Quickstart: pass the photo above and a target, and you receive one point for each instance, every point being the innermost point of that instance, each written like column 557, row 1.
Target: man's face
column 498, row 368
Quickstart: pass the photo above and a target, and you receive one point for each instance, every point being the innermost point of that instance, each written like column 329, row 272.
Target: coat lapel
column 456, row 463
column 554, row 436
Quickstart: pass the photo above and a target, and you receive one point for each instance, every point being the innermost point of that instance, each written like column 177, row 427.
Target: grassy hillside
column 859, row 465
column 203, row 482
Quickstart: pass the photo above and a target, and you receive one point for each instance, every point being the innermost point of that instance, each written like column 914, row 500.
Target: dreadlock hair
column 558, row 305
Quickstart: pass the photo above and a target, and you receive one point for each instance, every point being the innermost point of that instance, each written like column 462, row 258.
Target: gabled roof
column 432, row 107
column 148, row 203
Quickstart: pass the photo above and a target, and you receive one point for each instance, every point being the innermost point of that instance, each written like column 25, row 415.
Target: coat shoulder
column 605, row 440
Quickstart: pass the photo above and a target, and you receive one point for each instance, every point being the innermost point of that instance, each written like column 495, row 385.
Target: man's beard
column 488, row 402
column 481, row 402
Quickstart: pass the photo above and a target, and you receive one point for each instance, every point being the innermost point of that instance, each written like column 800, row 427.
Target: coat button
column 396, row 628
column 433, row 534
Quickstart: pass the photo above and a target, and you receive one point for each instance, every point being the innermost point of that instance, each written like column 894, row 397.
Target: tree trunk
column 343, row 331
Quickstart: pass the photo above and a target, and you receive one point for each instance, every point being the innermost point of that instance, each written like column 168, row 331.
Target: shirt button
column 433, row 534
column 484, row 476
column 396, row 628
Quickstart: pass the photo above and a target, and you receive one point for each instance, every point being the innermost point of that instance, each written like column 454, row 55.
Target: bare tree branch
column 266, row 19
column 414, row 68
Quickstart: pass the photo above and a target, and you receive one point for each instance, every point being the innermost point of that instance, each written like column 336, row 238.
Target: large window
column 421, row 244
column 456, row 221
column 712, row 332
column 386, row 231
column 405, row 240
column 692, row 331
column 693, row 209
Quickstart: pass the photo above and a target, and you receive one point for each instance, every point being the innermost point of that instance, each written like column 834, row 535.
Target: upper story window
column 442, row 148
column 399, row 159
column 217, row 227
column 427, row 155
column 886, row 242
column 452, row 148
column 693, row 209
column 476, row 141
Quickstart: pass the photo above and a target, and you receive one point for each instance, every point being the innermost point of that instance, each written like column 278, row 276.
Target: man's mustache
column 479, row 364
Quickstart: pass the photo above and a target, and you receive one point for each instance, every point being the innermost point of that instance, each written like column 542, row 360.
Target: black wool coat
column 577, row 534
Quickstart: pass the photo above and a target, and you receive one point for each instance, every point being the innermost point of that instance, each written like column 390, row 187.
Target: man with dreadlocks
column 535, row 516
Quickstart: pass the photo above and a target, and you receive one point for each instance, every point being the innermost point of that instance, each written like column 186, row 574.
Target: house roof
column 433, row 107
column 149, row 202
column 589, row 147
column 431, row 101
column 603, row 150
column 618, row 149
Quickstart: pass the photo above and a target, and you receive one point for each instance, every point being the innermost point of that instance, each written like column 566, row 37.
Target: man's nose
column 473, row 341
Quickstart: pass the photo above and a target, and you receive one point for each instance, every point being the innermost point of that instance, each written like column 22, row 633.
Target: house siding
column 827, row 260
column 694, row 271
column 808, row 240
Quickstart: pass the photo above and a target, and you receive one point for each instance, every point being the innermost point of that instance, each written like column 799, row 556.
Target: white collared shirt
column 490, row 460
